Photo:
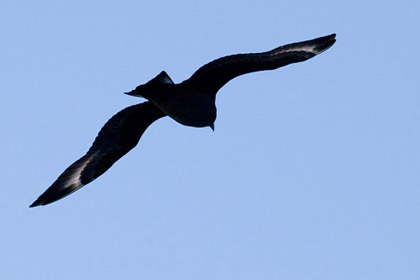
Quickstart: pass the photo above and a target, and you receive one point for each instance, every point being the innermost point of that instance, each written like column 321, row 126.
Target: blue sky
column 312, row 171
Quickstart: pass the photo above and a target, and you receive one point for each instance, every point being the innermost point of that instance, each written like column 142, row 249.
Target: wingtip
column 35, row 203
column 328, row 37
column 332, row 38
column 324, row 43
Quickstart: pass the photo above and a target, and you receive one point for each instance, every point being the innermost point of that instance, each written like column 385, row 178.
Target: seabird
column 191, row 103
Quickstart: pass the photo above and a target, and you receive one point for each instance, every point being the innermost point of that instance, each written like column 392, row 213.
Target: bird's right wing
column 116, row 138
column 212, row 76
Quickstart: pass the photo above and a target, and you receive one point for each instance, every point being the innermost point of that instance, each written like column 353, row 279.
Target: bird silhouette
column 191, row 103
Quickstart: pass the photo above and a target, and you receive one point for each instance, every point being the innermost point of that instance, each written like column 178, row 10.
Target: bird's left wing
column 212, row 76
column 116, row 138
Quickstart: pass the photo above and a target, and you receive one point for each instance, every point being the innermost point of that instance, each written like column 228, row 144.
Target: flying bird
column 191, row 103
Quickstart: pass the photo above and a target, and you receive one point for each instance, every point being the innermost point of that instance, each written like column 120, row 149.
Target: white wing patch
column 302, row 48
column 74, row 180
column 310, row 48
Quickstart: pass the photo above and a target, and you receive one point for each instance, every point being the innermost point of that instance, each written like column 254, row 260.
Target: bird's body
column 182, row 102
column 191, row 103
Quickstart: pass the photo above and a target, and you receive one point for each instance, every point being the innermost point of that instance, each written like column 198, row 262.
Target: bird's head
column 142, row 90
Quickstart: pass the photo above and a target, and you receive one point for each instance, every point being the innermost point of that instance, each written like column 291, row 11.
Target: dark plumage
column 118, row 136
column 191, row 103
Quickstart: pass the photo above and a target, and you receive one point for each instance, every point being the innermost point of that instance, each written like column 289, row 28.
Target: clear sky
column 312, row 171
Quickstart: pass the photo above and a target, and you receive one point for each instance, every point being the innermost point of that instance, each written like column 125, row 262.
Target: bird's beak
column 212, row 126
column 136, row 92
column 132, row 93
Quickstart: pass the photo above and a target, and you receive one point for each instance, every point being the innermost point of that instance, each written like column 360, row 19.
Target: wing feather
column 116, row 138
column 212, row 76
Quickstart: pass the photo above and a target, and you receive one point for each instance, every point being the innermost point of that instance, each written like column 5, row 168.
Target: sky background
column 312, row 171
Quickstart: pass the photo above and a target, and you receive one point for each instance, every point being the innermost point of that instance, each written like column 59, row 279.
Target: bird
column 190, row 103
